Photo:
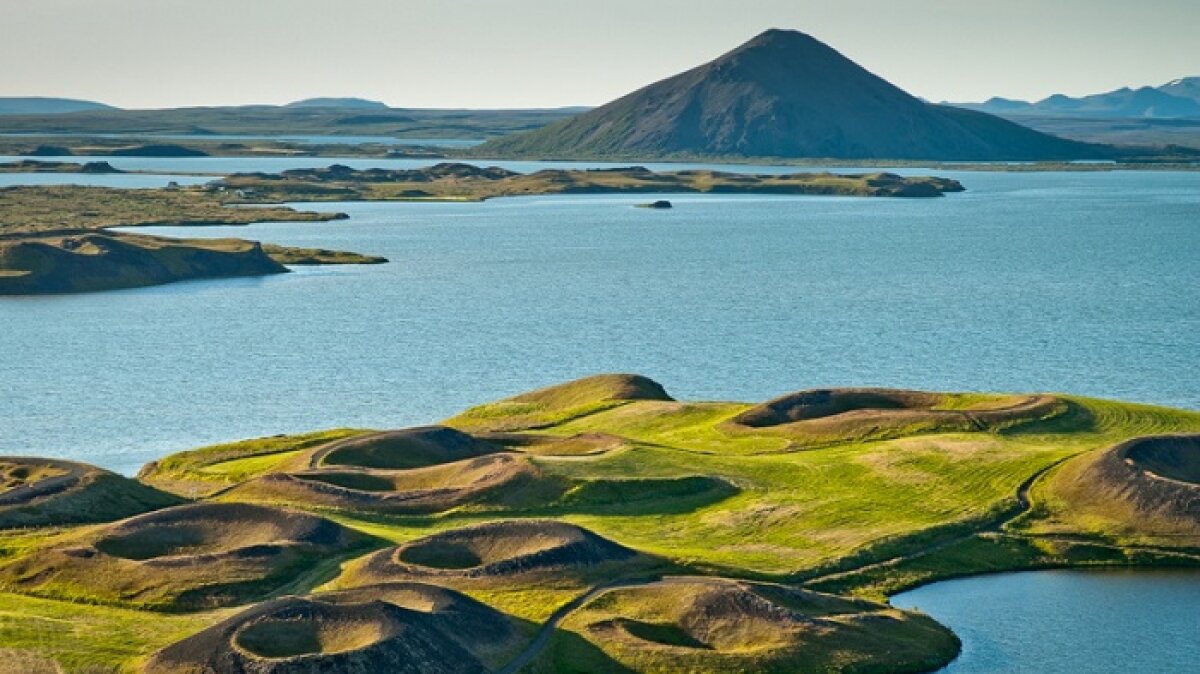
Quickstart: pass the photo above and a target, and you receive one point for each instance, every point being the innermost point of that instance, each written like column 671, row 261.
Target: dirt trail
column 1023, row 505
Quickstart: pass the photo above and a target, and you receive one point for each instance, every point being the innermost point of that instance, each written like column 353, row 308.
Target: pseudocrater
column 185, row 558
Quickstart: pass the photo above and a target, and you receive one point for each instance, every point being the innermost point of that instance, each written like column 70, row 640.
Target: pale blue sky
column 539, row 53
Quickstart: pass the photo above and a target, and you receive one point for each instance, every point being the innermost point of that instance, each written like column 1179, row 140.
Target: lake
column 1076, row 282
column 1048, row 621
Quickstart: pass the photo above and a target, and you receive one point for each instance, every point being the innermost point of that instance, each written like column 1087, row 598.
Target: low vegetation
column 614, row 528
column 55, row 239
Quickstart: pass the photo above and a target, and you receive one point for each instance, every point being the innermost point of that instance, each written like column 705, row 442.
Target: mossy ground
column 860, row 517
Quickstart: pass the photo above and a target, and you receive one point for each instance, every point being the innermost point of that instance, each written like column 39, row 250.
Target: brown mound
column 555, row 404
column 183, row 558
column 398, row 627
column 1158, row 475
column 402, row 449
column 714, row 624
column 495, row 550
column 597, row 387
column 1171, row 457
column 493, row 477
column 85, row 262
column 874, row 412
column 721, row 615
column 38, row 492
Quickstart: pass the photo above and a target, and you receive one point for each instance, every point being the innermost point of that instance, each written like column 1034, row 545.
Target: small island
column 40, row 166
column 660, row 205
column 450, row 181
column 599, row 523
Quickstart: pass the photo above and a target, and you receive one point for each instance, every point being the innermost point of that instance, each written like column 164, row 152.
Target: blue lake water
column 1099, row 622
column 1077, row 282
column 122, row 180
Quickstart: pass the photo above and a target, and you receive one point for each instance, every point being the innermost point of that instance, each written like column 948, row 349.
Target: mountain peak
column 777, row 37
column 782, row 44
column 784, row 94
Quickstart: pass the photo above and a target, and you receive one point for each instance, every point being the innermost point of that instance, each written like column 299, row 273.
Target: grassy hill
column 641, row 534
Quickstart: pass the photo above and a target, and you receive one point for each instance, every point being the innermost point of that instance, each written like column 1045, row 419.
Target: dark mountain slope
column 786, row 94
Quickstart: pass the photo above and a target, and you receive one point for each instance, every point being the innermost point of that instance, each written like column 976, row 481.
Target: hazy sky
column 541, row 53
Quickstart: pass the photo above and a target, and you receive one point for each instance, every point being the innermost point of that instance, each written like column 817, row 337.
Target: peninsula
column 595, row 525
column 56, row 239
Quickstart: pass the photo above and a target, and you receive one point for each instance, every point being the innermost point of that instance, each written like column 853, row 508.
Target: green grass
column 804, row 510
column 80, row 636
column 39, row 209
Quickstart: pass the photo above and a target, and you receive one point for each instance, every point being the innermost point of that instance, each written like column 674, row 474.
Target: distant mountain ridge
column 42, row 105
column 1173, row 100
column 1186, row 87
column 785, row 94
column 349, row 103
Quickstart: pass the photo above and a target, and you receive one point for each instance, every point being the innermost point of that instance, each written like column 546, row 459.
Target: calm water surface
column 1098, row 622
column 1055, row 281
column 123, row 180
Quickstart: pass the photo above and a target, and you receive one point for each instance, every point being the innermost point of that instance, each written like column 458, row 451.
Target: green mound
column 496, row 552
column 556, row 404
column 41, row 492
column 717, row 625
column 397, row 627
column 493, row 479
column 407, row 448
column 822, row 415
column 187, row 557
column 504, row 482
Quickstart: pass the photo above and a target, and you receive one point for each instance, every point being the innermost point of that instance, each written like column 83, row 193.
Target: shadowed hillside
column 786, row 94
